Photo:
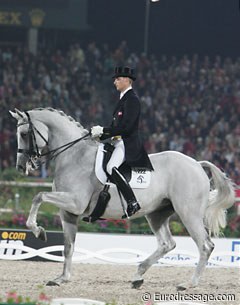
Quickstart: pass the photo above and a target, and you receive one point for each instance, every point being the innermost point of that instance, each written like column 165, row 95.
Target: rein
column 33, row 150
column 57, row 151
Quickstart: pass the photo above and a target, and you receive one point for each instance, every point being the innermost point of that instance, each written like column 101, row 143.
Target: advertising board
column 54, row 14
column 22, row 244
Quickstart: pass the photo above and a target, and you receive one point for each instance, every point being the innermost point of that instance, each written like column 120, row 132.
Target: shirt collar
column 125, row 91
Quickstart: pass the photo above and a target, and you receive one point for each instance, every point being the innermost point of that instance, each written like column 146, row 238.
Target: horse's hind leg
column 159, row 223
column 194, row 224
column 69, row 223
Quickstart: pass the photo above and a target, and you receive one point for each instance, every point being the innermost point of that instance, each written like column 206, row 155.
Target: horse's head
column 32, row 138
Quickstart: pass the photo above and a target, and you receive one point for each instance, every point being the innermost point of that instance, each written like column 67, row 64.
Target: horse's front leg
column 69, row 223
column 31, row 223
column 62, row 200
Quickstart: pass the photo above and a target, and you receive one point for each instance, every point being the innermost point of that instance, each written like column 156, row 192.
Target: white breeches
column 118, row 156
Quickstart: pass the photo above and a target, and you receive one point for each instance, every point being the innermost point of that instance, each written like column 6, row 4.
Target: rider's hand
column 96, row 131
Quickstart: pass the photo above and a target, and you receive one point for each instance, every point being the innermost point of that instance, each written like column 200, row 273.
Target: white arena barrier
column 126, row 249
column 26, row 184
column 75, row 301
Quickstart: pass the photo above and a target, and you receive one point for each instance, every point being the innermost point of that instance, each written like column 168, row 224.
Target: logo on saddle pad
column 140, row 178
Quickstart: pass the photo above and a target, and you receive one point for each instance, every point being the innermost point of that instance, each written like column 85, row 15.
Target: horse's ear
column 17, row 114
column 21, row 114
column 14, row 115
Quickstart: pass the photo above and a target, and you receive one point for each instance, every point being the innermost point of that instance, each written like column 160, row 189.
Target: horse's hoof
column 42, row 234
column 181, row 287
column 185, row 286
column 52, row 283
column 137, row 284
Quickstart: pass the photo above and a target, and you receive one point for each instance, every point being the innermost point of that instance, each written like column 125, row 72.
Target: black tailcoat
column 125, row 123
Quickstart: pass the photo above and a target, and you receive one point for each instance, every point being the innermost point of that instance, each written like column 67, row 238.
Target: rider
column 124, row 135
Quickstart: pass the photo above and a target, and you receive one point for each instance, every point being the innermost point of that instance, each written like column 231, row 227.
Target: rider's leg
column 117, row 157
column 132, row 204
column 116, row 160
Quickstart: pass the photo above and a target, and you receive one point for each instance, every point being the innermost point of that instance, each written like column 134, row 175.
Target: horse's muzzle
column 20, row 168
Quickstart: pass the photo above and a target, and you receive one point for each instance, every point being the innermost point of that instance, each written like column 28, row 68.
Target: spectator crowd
column 189, row 104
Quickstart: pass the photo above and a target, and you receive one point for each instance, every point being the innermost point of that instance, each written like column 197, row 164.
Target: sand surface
column 112, row 283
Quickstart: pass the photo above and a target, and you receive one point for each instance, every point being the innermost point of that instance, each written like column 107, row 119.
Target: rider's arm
column 129, row 121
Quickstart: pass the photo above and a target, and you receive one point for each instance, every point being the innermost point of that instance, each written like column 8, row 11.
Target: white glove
column 96, row 131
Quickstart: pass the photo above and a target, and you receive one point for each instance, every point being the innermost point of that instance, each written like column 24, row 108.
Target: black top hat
column 124, row 72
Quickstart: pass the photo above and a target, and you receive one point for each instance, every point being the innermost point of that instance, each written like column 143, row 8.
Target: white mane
column 61, row 113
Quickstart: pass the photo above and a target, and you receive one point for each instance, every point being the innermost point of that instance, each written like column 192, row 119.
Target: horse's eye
column 23, row 134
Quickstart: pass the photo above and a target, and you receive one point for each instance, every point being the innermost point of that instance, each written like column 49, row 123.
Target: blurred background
column 61, row 54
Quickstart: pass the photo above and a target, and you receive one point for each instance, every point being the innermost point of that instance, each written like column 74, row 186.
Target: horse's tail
column 221, row 198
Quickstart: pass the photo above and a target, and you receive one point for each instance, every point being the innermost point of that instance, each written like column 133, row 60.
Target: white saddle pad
column 140, row 178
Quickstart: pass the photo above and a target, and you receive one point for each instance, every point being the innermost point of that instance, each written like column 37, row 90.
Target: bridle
column 33, row 152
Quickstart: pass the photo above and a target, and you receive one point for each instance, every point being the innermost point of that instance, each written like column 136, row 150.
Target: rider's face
column 122, row 83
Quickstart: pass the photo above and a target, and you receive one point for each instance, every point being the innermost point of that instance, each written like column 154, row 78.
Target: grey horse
column 179, row 185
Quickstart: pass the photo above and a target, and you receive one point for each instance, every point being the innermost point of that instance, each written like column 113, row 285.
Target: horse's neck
column 61, row 129
column 82, row 154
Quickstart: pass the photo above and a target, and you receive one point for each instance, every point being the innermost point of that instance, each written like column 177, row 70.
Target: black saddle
column 104, row 196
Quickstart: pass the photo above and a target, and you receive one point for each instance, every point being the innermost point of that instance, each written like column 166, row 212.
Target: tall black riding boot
column 132, row 204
